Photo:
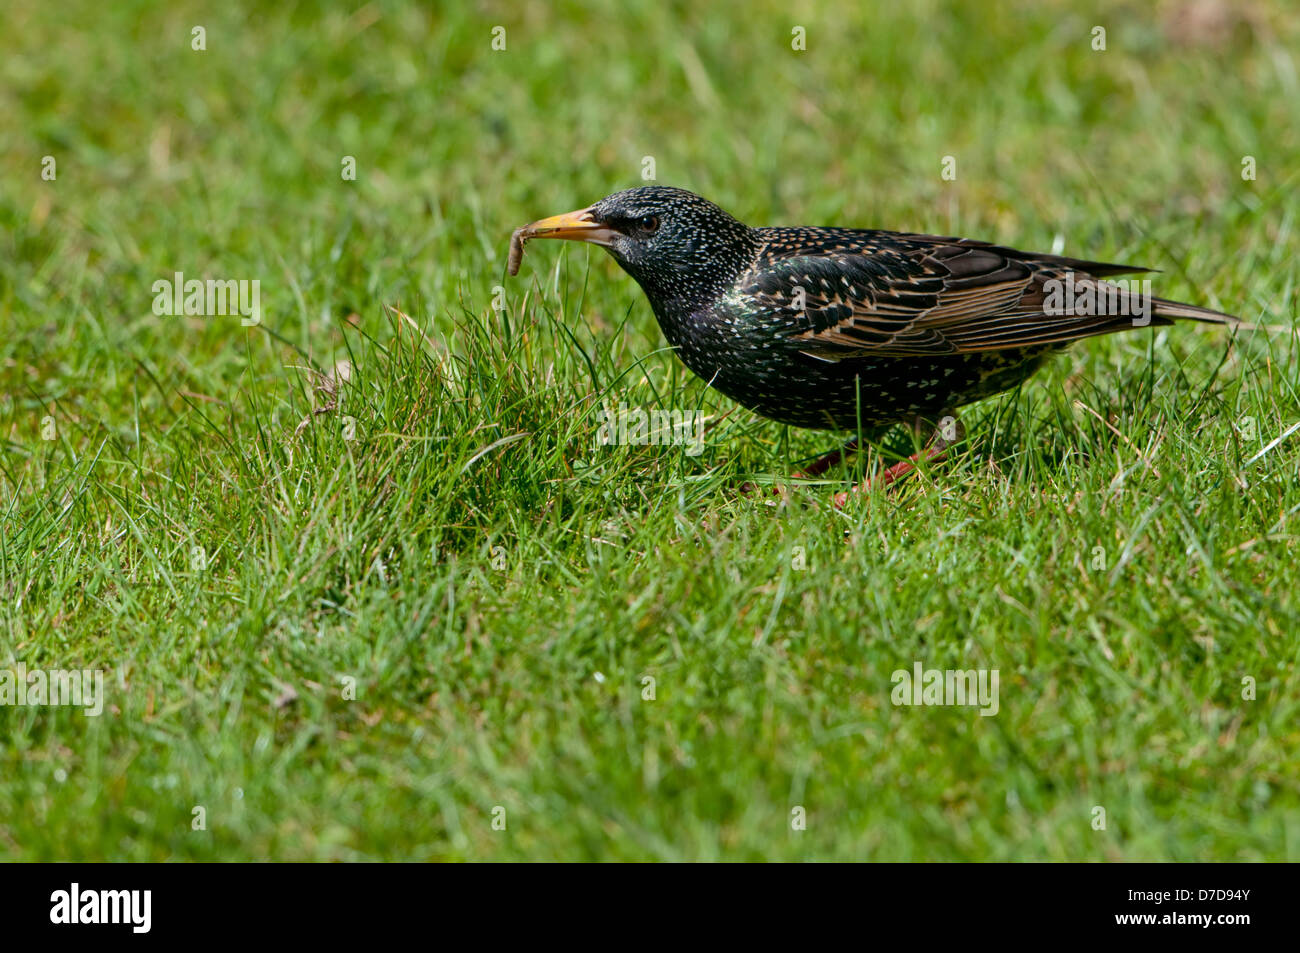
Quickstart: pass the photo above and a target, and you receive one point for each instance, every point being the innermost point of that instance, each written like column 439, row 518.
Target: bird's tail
column 1173, row 310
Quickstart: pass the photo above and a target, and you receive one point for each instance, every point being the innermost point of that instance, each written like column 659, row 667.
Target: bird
column 853, row 329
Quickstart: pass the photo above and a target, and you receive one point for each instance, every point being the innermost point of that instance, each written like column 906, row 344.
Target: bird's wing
column 886, row 293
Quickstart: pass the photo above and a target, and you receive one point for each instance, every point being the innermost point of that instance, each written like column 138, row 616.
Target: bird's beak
column 579, row 226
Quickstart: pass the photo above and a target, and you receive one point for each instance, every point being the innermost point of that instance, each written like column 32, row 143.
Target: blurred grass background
column 500, row 611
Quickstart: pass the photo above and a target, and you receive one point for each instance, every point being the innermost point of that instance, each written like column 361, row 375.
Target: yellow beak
column 578, row 226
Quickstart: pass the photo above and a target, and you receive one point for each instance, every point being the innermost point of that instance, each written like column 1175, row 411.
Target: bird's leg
column 825, row 462
column 948, row 432
column 814, row 469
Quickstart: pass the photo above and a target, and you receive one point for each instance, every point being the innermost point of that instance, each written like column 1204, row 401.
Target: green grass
column 1110, row 538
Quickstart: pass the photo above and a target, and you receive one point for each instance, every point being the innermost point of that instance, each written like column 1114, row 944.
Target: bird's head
column 674, row 243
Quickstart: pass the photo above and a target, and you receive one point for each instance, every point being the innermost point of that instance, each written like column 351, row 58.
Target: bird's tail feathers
column 1163, row 308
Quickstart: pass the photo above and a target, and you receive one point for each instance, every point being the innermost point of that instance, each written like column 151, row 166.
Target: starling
column 852, row 329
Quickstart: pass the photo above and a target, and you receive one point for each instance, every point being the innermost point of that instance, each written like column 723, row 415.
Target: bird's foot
column 810, row 472
column 776, row 489
column 948, row 433
column 826, row 461
column 888, row 476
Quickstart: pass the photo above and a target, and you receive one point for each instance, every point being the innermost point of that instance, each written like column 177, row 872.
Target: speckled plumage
column 839, row 328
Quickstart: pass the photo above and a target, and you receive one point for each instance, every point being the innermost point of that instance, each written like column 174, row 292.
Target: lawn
column 361, row 580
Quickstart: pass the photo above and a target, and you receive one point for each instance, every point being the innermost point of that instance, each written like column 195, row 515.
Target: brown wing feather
column 887, row 293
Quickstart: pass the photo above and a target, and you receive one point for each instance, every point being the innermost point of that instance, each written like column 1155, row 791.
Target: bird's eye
column 648, row 223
